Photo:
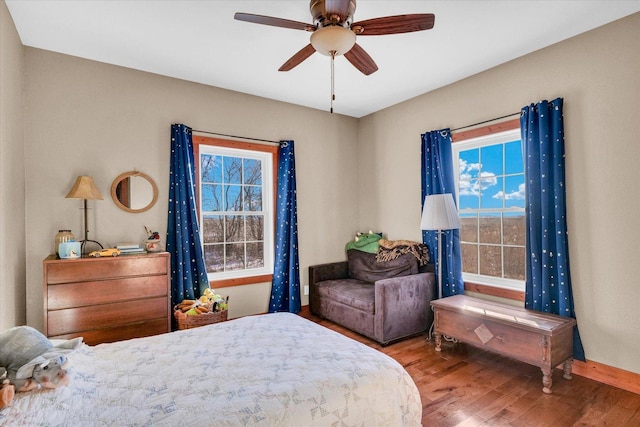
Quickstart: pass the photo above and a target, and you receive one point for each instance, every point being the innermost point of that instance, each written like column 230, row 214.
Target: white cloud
column 514, row 195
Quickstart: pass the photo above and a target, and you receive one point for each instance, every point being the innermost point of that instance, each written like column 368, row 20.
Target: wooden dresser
column 107, row 299
column 540, row 339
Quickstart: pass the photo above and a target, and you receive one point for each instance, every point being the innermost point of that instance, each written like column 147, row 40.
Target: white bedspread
column 269, row 370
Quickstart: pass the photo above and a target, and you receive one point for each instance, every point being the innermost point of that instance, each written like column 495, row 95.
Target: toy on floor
column 32, row 361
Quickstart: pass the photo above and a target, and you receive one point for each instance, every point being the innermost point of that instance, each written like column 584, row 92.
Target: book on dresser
column 107, row 299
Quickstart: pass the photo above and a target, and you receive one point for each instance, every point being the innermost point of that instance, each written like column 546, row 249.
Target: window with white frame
column 491, row 201
column 235, row 200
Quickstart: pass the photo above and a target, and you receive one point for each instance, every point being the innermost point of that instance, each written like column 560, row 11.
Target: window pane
column 513, row 157
column 232, row 170
column 235, row 256
column 469, row 195
column 213, row 229
column 490, row 229
column 233, row 198
column 211, row 197
column 211, row 168
column 469, row 258
column 514, row 263
column 468, row 227
column 255, row 255
column 514, row 191
column 252, row 199
column 214, row 258
column 255, row 228
column 235, row 228
column 514, row 229
column 252, row 172
column 491, row 160
column 491, row 189
column 490, row 261
column 469, row 164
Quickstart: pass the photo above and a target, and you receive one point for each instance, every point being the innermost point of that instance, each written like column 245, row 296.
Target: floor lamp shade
column 439, row 213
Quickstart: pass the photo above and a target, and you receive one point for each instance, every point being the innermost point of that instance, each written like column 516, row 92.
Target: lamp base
column 85, row 241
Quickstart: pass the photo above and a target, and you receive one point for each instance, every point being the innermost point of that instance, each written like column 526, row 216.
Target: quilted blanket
column 268, row 370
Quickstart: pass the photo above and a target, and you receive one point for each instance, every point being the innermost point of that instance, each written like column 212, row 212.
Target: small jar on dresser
column 107, row 299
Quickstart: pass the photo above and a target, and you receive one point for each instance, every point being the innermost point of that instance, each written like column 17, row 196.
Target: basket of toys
column 209, row 308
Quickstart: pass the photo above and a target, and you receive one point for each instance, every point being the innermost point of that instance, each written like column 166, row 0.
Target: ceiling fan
column 333, row 31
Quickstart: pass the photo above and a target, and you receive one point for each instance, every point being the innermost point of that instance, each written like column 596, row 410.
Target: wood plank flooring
column 465, row 386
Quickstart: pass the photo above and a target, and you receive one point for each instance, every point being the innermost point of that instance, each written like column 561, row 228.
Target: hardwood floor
column 465, row 386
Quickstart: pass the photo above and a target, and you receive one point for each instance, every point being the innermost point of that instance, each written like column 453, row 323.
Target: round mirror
column 134, row 192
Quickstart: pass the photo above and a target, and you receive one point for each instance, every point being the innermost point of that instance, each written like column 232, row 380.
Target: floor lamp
column 85, row 189
column 439, row 213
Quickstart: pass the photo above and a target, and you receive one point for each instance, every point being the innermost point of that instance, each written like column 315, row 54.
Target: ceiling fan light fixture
column 333, row 38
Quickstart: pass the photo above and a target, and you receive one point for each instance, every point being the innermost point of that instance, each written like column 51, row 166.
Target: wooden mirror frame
column 130, row 174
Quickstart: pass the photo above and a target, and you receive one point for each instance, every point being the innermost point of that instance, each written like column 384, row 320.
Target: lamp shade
column 439, row 213
column 84, row 188
column 333, row 39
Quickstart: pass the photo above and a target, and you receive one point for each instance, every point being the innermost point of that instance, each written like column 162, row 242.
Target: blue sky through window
column 491, row 177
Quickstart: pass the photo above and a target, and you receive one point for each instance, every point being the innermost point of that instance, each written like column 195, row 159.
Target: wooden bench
column 540, row 339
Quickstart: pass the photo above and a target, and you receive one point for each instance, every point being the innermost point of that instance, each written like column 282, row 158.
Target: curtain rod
column 486, row 121
column 239, row 137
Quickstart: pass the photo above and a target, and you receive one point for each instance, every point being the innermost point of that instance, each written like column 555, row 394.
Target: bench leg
column 546, row 380
column 438, row 337
column 567, row 365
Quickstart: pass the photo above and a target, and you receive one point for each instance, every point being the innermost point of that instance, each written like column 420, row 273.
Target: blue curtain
column 188, row 272
column 548, row 281
column 285, row 288
column 437, row 178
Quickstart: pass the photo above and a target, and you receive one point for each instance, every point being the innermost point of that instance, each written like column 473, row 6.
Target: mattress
column 268, row 370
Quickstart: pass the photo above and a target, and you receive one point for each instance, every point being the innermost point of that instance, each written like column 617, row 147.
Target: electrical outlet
column 306, row 289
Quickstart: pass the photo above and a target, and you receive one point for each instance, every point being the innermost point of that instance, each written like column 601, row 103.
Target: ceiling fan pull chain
column 333, row 94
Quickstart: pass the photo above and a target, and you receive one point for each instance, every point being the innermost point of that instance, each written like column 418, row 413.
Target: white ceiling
column 200, row 41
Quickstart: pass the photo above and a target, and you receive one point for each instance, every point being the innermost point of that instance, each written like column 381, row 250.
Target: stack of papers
column 130, row 248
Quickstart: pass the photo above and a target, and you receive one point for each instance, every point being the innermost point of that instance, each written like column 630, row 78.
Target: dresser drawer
column 87, row 269
column 119, row 333
column 72, row 320
column 69, row 295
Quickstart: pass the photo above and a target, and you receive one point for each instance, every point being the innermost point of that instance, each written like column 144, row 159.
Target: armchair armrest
column 331, row 271
column 403, row 305
column 321, row 272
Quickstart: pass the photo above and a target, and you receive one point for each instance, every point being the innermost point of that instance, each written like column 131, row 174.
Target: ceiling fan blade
column 296, row 59
column 274, row 22
column 361, row 60
column 394, row 24
column 337, row 7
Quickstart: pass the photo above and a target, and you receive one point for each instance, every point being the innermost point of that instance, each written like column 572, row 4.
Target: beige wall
column 12, row 196
column 597, row 74
column 85, row 117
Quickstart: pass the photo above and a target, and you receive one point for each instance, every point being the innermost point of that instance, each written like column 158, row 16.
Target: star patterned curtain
column 548, row 281
column 188, row 272
column 285, row 288
column 438, row 178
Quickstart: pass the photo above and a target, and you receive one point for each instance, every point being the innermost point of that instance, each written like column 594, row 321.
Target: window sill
column 494, row 291
column 252, row 280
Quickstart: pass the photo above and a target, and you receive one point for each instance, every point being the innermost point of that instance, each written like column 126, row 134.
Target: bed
column 268, row 370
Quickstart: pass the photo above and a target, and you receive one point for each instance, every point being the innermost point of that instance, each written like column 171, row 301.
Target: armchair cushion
column 349, row 292
column 363, row 266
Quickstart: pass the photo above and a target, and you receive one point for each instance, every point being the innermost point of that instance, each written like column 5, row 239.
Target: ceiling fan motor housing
column 323, row 19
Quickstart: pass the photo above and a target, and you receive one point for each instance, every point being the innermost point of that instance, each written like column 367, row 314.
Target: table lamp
column 85, row 189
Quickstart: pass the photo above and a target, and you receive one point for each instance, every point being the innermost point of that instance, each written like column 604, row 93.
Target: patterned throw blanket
column 392, row 249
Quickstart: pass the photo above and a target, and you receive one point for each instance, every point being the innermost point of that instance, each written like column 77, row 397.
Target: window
column 491, row 200
column 235, row 208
